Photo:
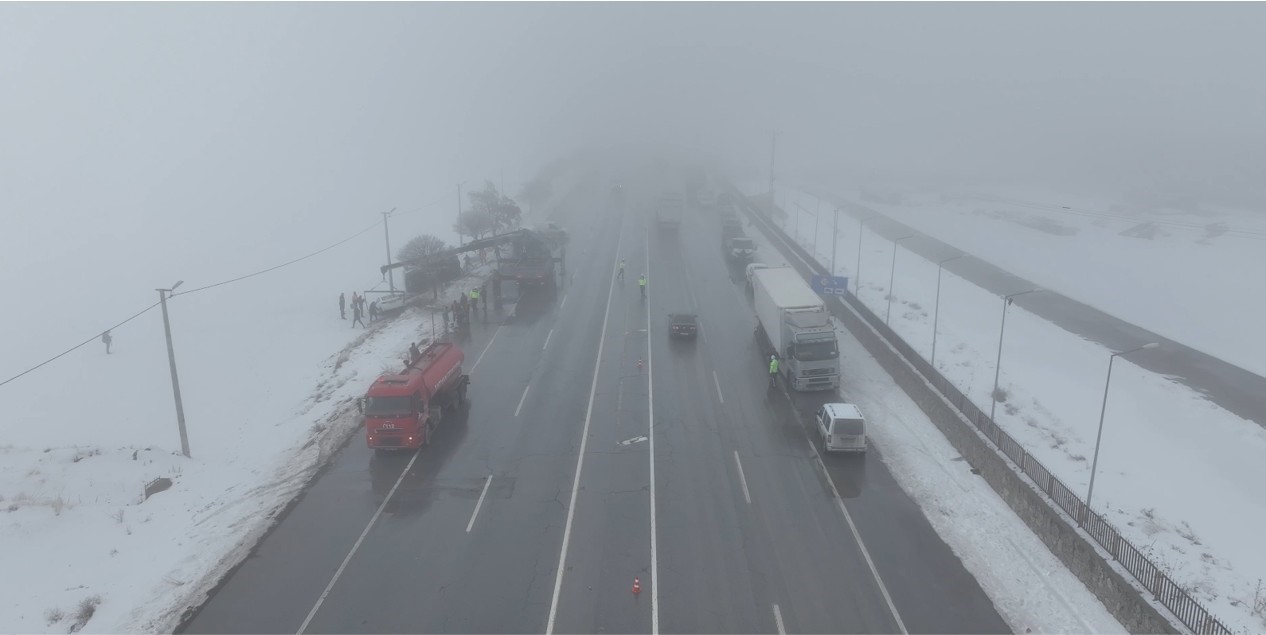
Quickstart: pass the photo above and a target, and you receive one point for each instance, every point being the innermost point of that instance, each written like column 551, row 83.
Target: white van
column 843, row 428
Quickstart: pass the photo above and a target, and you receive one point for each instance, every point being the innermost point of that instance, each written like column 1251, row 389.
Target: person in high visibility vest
column 773, row 370
column 641, row 284
column 620, row 276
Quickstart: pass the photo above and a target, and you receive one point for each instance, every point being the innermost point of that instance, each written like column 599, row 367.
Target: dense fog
column 117, row 117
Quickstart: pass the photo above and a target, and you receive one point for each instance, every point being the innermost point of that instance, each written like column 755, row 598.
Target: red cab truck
column 402, row 410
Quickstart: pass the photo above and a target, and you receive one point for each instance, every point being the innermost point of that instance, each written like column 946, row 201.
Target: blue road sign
column 829, row 285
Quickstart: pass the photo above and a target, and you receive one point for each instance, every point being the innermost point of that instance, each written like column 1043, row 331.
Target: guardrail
column 1168, row 593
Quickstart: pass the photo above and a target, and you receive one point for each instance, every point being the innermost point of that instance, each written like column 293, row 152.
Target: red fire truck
column 402, row 410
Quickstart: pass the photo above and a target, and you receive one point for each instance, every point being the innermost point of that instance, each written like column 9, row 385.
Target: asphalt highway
column 595, row 451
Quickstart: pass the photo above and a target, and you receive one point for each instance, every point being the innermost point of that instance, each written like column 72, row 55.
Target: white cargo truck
column 793, row 322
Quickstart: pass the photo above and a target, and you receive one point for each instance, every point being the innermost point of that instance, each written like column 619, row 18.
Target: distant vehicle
column 668, row 211
column 738, row 248
column 683, row 325
column 734, row 243
column 402, row 410
column 793, row 322
column 842, row 427
column 751, row 269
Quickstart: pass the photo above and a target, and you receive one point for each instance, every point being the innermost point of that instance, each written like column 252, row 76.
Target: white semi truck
column 794, row 324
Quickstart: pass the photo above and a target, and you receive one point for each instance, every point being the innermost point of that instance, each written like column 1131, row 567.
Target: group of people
column 360, row 309
column 470, row 302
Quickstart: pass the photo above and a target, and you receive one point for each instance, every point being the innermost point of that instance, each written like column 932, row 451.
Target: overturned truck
column 532, row 257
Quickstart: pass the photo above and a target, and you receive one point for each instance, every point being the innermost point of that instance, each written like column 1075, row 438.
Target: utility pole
column 391, row 277
column 459, row 216
column 773, row 145
column 171, row 360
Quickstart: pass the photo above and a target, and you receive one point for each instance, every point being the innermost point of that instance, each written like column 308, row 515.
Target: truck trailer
column 793, row 323
column 402, row 410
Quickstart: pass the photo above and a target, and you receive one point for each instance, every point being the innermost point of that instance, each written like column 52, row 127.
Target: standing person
column 483, row 295
column 773, row 370
column 373, row 311
column 106, row 338
column 620, row 275
column 641, row 284
column 342, row 306
column 445, row 317
column 414, row 353
column 356, row 316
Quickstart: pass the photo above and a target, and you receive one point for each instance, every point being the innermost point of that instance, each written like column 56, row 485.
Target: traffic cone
column 637, row 585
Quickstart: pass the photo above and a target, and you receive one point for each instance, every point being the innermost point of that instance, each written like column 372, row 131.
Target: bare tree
column 475, row 223
column 502, row 210
column 420, row 247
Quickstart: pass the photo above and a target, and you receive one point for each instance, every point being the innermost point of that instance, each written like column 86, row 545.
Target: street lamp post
column 997, row 366
column 773, row 146
column 171, row 360
column 460, row 240
column 936, row 313
column 861, row 229
column 817, row 213
column 892, row 275
column 1094, row 464
column 391, row 277
column 835, row 232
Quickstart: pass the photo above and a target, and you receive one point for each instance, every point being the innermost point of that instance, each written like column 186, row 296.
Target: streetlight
column 1094, row 465
column 391, row 277
column 892, row 275
column 997, row 366
column 773, row 146
column 835, row 232
column 861, row 229
column 171, row 360
column 936, row 314
column 459, row 213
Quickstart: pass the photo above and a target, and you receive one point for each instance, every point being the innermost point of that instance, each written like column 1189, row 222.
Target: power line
column 79, row 345
column 209, row 286
column 284, row 264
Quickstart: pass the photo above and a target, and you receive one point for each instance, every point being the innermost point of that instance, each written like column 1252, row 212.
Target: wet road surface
column 695, row 478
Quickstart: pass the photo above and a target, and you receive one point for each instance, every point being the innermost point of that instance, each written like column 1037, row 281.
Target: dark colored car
column 683, row 325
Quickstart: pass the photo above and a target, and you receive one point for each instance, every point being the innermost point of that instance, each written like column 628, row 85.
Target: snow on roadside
column 265, row 409
column 1029, row 586
column 1199, row 523
column 1008, row 560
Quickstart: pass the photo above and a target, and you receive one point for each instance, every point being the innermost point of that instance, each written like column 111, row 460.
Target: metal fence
column 1163, row 588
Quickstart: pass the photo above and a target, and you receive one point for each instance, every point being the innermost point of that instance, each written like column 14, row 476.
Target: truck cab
column 401, row 410
column 842, row 427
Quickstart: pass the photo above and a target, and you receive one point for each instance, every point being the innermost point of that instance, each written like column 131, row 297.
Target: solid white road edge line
column 564, row 302
column 718, row 383
column 778, row 621
column 839, row 502
column 479, row 503
column 324, row 594
column 650, row 424
column 546, row 345
column 743, row 479
column 580, row 456
column 522, row 399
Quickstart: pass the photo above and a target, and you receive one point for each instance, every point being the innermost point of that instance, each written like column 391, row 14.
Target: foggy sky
column 188, row 118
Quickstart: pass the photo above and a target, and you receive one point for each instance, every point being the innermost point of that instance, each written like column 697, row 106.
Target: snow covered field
column 1178, row 476
column 267, row 373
